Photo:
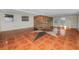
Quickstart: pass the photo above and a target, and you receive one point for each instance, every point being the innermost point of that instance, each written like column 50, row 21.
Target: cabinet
column 43, row 23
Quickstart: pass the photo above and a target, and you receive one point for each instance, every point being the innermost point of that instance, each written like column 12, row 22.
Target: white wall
column 70, row 21
column 16, row 24
column 0, row 21
column 78, row 22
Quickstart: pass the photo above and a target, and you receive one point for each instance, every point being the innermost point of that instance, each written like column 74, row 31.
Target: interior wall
column 16, row 24
column 78, row 22
column 70, row 21
column 0, row 21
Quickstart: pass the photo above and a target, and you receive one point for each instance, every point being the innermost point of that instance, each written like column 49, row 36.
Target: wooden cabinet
column 43, row 22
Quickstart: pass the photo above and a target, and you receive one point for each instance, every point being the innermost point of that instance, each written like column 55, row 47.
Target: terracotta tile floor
column 23, row 40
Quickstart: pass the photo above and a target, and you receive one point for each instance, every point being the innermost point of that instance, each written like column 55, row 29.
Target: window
column 9, row 18
column 60, row 21
column 25, row 18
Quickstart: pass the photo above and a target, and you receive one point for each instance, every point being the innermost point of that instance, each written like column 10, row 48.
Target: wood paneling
column 43, row 22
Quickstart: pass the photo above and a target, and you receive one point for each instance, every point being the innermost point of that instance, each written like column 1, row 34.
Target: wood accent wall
column 43, row 22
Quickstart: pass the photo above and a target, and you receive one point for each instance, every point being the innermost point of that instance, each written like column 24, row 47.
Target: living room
column 19, row 26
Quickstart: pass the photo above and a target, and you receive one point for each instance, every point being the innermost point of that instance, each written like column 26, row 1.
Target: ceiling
column 14, row 11
column 47, row 12
column 51, row 12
